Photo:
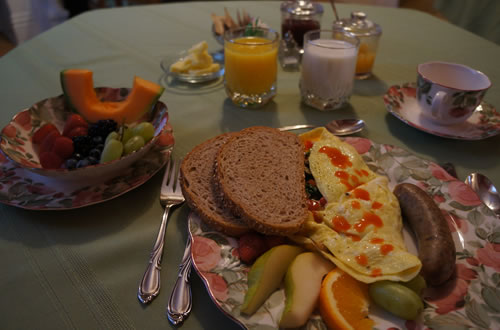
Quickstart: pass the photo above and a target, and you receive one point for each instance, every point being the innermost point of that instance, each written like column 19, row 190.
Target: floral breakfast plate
column 470, row 300
column 22, row 188
column 400, row 101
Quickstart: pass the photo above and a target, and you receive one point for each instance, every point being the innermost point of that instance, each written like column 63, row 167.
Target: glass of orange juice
column 250, row 64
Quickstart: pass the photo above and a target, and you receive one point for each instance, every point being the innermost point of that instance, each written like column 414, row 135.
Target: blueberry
column 99, row 146
column 82, row 163
column 77, row 156
column 95, row 153
column 93, row 160
column 71, row 163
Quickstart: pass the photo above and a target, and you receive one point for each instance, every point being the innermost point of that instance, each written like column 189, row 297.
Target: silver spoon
column 332, row 2
column 486, row 191
column 338, row 127
column 180, row 302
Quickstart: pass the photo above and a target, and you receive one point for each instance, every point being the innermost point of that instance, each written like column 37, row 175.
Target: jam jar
column 369, row 34
column 298, row 17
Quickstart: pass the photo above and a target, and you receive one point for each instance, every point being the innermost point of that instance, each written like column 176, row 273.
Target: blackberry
column 82, row 145
column 102, row 128
column 97, row 140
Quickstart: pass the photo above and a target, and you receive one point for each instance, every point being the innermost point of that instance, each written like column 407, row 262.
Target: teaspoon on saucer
column 486, row 191
column 338, row 127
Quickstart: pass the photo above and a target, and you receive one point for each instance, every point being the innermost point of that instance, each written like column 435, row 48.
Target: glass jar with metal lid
column 298, row 17
column 369, row 34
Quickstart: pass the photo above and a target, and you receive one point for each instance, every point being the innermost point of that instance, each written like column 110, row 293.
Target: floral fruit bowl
column 16, row 137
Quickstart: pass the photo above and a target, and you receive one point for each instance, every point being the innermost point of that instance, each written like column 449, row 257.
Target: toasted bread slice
column 197, row 171
column 260, row 177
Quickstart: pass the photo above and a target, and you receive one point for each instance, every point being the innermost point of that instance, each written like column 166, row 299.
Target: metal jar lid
column 301, row 8
column 359, row 25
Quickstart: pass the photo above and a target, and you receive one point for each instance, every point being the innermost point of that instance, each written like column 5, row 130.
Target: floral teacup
column 448, row 93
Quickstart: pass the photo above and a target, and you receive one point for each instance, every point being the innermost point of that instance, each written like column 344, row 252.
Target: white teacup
column 448, row 93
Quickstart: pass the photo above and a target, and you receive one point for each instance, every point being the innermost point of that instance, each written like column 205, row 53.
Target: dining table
column 80, row 267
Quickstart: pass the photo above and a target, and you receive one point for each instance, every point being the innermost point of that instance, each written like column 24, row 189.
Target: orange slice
column 344, row 302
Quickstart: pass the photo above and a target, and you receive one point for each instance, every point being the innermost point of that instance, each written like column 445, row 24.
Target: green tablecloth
column 81, row 268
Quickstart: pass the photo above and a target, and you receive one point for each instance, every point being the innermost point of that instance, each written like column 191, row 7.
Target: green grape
column 127, row 134
column 133, row 144
column 111, row 136
column 396, row 299
column 144, row 129
column 112, row 150
column 417, row 284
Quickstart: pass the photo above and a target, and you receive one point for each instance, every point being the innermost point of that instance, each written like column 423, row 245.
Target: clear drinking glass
column 250, row 63
column 328, row 68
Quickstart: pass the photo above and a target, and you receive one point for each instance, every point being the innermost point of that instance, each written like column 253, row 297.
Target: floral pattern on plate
column 22, row 188
column 400, row 101
column 470, row 300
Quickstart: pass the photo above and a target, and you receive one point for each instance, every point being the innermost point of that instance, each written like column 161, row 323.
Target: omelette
column 360, row 227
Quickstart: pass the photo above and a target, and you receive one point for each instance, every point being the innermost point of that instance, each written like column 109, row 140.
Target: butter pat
column 197, row 62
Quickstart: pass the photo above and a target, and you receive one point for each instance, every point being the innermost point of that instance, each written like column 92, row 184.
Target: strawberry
column 251, row 246
column 42, row 132
column 63, row 147
column 74, row 121
column 77, row 131
column 51, row 160
column 48, row 141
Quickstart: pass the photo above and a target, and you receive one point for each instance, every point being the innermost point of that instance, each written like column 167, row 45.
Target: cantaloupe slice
column 78, row 88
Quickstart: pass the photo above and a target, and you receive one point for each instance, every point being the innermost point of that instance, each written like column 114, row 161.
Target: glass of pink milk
column 328, row 68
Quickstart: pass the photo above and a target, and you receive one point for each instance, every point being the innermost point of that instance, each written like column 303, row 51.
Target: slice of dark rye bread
column 197, row 171
column 260, row 177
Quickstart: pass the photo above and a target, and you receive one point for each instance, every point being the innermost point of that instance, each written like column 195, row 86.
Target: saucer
column 400, row 101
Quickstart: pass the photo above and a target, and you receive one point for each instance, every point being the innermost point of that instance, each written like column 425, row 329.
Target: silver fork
column 170, row 195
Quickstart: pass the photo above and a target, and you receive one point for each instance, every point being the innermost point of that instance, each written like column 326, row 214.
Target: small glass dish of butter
column 195, row 65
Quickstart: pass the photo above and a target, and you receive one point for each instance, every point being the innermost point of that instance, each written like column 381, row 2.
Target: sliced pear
column 266, row 274
column 302, row 285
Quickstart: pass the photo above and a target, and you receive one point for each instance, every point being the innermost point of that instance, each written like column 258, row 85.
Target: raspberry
column 49, row 159
column 74, row 121
column 42, row 132
column 247, row 254
column 251, row 246
column 63, row 147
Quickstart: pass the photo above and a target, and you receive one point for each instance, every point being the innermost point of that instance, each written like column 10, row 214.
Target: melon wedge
column 78, row 89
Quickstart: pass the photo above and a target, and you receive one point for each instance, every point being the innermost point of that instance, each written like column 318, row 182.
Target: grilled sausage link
column 436, row 249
